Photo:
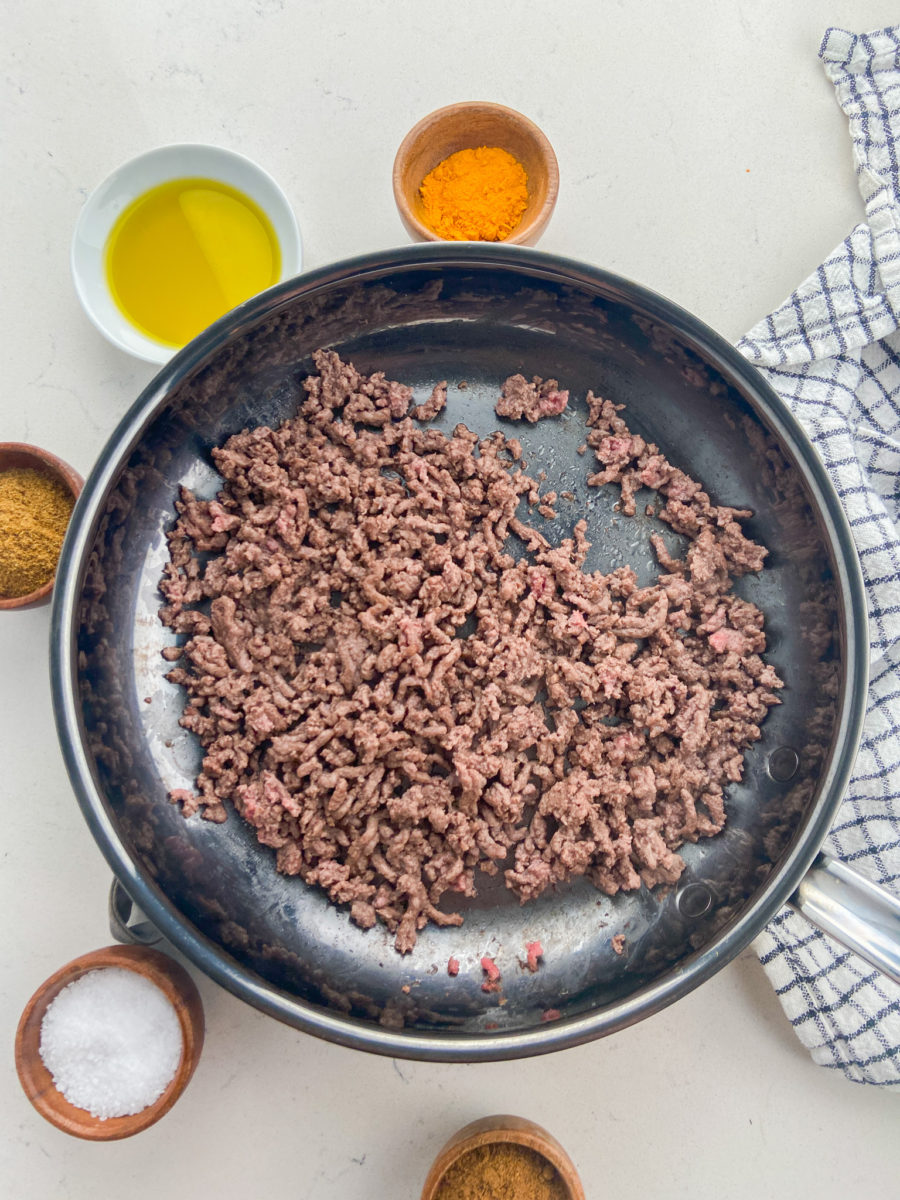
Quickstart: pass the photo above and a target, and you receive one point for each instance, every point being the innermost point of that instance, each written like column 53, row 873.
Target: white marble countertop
column 703, row 154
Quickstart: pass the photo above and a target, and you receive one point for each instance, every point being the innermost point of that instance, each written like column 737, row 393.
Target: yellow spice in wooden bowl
column 476, row 195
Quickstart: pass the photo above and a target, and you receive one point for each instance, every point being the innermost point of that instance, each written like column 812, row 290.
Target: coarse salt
column 112, row 1042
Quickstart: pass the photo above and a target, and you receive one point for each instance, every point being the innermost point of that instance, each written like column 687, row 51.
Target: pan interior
column 471, row 324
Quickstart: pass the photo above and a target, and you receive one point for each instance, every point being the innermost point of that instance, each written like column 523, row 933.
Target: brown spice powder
column 503, row 1171
column 34, row 512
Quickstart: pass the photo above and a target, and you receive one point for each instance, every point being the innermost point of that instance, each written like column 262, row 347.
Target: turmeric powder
column 34, row 513
column 475, row 195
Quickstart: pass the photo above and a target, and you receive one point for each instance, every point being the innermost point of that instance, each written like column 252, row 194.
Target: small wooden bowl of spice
column 37, row 494
column 476, row 171
column 106, row 1046
column 506, row 1158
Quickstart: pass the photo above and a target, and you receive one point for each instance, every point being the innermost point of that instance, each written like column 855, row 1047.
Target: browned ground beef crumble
column 524, row 401
column 393, row 701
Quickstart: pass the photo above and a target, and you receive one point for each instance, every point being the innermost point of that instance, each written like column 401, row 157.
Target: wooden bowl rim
column 526, row 230
column 57, row 467
column 37, row 1083
column 498, row 1130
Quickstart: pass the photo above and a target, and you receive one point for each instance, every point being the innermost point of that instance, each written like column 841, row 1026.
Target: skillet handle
column 861, row 915
column 126, row 921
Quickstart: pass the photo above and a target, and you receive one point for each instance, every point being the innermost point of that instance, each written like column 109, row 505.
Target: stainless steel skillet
column 475, row 315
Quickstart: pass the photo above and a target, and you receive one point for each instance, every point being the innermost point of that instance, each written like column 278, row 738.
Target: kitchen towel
column 832, row 351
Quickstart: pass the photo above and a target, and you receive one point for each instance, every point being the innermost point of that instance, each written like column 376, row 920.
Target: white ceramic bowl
column 124, row 185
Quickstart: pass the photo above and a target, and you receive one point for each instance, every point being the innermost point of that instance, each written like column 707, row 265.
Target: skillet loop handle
column 127, row 923
column 861, row 915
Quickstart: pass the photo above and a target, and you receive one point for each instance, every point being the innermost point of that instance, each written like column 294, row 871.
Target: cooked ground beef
column 492, row 975
column 435, row 403
column 394, row 701
column 521, row 400
column 534, row 952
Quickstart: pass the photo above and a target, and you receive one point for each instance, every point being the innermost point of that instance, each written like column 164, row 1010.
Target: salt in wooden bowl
column 37, row 1082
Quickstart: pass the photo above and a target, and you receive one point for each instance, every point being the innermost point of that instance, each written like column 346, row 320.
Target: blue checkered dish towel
column 832, row 351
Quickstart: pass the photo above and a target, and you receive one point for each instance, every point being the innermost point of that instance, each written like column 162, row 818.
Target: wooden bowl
column 19, row 454
column 496, row 1130
column 37, row 1081
column 467, row 126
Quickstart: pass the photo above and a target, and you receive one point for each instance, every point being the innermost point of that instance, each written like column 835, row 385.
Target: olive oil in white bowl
column 173, row 240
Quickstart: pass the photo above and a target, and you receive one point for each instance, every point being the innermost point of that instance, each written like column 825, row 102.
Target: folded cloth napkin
column 832, row 351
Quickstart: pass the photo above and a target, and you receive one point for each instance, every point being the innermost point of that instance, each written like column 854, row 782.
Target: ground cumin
column 34, row 513
column 503, row 1171
column 475, row 195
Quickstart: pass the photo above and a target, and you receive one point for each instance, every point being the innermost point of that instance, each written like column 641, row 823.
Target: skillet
column 472, row 314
